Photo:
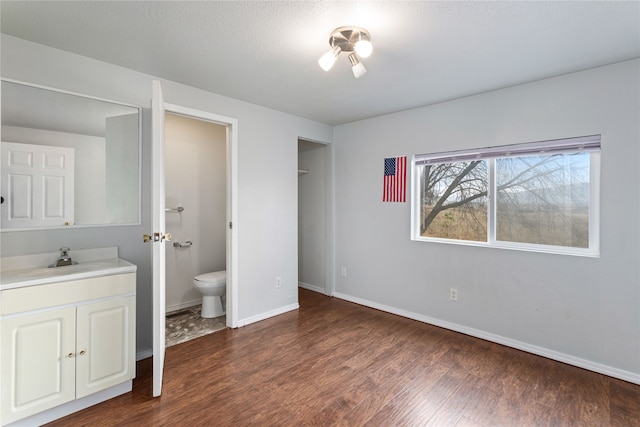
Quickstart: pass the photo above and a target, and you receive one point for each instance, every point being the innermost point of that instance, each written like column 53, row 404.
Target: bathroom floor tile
column 186, row 324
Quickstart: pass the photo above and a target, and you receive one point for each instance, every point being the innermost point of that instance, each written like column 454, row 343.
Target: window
column 540, row 196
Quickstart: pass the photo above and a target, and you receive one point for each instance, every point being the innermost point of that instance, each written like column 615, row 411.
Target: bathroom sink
column 41, row 272
column 69, row 269
column 82, row 270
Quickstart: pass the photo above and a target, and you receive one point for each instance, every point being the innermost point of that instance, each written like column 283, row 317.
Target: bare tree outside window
column 454, row 200
column 540, row 199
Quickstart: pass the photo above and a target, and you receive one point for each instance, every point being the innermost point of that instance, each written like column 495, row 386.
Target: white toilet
column 213, row 287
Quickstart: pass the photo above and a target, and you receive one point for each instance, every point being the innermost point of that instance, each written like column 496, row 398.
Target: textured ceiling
column 266, row 52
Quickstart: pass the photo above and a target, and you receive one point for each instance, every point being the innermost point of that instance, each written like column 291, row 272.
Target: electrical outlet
column 343, row 271
column 453, row 294
column 278, row 282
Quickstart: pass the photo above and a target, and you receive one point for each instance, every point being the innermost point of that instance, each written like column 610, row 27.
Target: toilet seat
column 215, row 277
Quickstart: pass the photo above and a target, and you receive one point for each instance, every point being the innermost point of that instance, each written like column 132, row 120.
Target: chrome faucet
column 63, row 259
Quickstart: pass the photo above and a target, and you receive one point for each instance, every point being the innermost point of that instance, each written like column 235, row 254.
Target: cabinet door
column 105, row 345
column 37, row 362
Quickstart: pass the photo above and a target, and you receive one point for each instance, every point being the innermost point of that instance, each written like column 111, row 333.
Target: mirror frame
column 95, row 98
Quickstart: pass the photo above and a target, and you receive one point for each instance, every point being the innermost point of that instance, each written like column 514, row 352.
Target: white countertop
column 17, row 273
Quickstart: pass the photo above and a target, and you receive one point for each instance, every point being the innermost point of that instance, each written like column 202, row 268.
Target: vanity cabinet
column 105, row 340
column 36, row 374
column 65, row 341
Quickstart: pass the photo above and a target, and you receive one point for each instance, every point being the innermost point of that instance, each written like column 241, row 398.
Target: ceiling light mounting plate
column 346, row 38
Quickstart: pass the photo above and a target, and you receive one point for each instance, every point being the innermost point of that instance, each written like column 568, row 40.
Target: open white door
column 158, row 237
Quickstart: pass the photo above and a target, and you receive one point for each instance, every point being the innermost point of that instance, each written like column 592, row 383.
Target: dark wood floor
column 334, row 363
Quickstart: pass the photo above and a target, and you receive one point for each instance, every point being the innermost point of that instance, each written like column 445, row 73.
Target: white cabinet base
column 73, row 406
column 63, row 345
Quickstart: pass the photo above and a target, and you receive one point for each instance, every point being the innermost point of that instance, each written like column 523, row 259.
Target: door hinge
column 231, row 225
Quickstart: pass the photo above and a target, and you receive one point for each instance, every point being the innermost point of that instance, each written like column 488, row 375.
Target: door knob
column 146, row 238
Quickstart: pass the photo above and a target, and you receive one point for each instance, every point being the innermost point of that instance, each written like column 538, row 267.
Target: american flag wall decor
column 395, row 179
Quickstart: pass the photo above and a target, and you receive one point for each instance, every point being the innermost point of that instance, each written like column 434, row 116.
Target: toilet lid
column 214, row 277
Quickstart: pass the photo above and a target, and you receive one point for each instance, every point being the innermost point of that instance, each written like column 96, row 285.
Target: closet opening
column 315, row 217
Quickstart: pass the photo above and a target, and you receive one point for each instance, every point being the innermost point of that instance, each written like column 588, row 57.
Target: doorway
column 315, row 217
column 195, row 213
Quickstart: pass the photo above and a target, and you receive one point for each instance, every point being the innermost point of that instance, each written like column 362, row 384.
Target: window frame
column 589, row 143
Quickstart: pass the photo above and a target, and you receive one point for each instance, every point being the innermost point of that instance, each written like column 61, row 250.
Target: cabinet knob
column 70, row 355
column 82, row 353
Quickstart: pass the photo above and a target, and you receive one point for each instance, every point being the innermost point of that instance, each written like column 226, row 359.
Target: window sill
column 526, row 247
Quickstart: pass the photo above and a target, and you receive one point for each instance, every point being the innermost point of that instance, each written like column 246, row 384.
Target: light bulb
column 357, row 67
column 364, row 48
column 327, row 60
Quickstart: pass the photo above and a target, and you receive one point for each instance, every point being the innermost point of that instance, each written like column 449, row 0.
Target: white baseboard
column 313, row 288
column 268, row 314
column 180, row 306
column 144, row 354
column 529, row 348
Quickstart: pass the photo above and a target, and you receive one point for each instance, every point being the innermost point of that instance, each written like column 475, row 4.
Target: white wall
column 267, row 175
column 312, row 221
column 195, row 172
column 582, row 310
column 122, row 158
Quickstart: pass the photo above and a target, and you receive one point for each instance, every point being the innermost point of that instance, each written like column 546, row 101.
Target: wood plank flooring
column 334, row 363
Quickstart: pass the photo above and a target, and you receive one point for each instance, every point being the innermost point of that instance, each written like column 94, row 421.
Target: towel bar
column 178, row 209
column 182, row 245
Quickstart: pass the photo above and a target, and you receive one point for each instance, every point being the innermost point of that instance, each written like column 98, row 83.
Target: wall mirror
column 67, row 160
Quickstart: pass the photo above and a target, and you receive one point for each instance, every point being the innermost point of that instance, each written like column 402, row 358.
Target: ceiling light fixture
column 355, row 41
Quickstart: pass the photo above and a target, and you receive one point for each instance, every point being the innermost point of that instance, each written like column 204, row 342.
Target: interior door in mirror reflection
column 38, row 185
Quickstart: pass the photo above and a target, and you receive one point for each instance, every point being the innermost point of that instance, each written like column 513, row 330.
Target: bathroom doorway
column 315, row 217
column 196, row 215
